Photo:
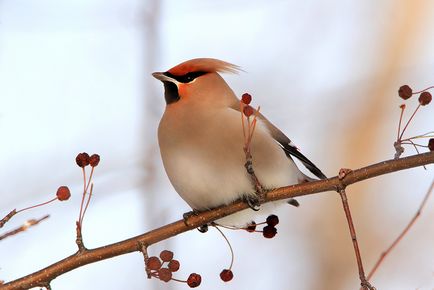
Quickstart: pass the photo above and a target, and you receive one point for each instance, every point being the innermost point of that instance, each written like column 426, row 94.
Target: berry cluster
column 269, row 231
column 425, row 97
column 162, row 267
column 83, row 159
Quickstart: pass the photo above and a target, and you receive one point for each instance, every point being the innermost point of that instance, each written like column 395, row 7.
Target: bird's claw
column 186, row 216
column 253, row 202
column 293, row 202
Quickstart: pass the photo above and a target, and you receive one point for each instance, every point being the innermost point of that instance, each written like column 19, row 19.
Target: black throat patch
column 170, row 92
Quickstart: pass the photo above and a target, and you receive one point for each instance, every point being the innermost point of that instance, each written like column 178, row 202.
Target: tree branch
column 45, row 276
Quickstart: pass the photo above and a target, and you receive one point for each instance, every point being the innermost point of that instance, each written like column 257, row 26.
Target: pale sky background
column 76, row 76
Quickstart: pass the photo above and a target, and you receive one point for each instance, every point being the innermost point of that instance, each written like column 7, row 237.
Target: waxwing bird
column 201, row 141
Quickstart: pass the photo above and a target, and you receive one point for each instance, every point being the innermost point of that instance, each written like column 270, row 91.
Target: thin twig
column 403, row 233
column 4, row 220
column 363, row 281
column 24, row 227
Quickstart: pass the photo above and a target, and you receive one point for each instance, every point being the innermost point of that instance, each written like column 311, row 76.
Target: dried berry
column 164, row 274
column 94, row 160
column 272, row 220
column 246, row 98
column 166, row 255
column 226, row 275
column 63, row 193
column 173, row 265
column 405, row 92
column 82, row 159
column 194, row 280
column 269, row 232
column 431, row 144
column 425, row 98
column 251, row 228
column 153, row 263
column 248, row 111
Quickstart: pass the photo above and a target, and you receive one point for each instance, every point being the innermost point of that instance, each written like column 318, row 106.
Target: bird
column 201, row 142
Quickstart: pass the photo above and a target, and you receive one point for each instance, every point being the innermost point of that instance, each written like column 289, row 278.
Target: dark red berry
column 194, row 280
column 226, row 275
column 246, row 98
column 173, row 265
column 82, row 159
column 166, row 255
column 269, row 232
column 164, row 274
column 272, row 220
column 251, row 228
column 425, row 98
column 63, row 193
column 94, row 160
column 431, row 144
column 248, row 111
column 153, row 263
column 405, row 92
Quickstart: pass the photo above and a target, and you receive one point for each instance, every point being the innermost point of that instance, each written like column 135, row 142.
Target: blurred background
column 76, row 76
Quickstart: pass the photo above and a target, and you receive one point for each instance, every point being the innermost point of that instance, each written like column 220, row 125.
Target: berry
column 153, row 263
column 425, row 98
column 173, row 265
column 166, row 255
column 251, row 228
column 246, row 98
column 63, row 193
column 164, row 274
column 405, row 92
column 272, row 220
column 248, row 111
column 194, row 280
column 226, row 275
column 431, row 144
column 94, row 160
column 269, row 232
column 82, row 159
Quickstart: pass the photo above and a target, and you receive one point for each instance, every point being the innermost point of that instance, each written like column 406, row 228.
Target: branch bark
column 45, row 276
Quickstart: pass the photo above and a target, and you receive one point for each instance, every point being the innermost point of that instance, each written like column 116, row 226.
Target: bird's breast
column 204, row 158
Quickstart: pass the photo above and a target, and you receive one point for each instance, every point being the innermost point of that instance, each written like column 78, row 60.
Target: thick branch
column 44, row 276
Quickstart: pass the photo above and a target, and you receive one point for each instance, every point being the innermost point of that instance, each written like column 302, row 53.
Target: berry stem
column 408, row 122
column 33, row 206
column 229, row 244
column 431, row 87
column 87, row 202
column 400, row 122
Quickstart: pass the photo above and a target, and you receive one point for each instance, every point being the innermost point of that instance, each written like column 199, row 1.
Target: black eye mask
column 188, row 77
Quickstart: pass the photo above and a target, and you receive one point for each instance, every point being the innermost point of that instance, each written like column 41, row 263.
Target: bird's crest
column 204, row 65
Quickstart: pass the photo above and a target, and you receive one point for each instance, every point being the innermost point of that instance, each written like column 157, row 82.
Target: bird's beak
column 162, row 77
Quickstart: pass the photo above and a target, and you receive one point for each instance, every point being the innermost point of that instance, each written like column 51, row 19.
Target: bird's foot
column 203, row 228
column 293, row 202
column 253, row 202
column 186, row 216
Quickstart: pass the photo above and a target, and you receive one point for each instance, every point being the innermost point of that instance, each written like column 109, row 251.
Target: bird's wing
column 287, row 146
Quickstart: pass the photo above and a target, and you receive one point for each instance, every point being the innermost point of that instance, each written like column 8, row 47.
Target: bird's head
column 196, row 80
